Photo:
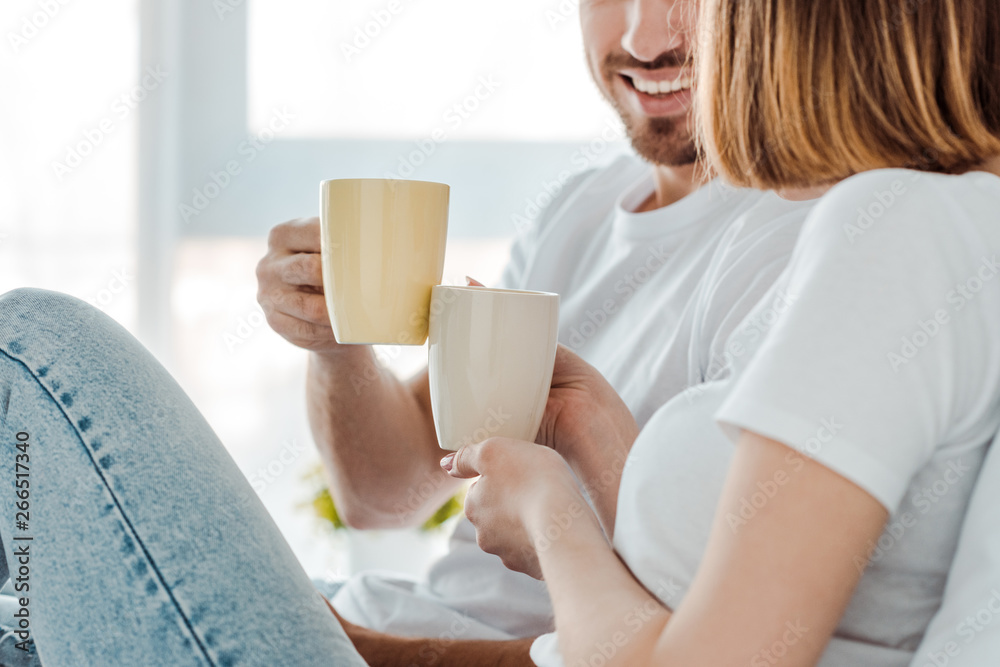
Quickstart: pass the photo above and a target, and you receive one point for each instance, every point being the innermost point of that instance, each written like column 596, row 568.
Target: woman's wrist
column 558, row 515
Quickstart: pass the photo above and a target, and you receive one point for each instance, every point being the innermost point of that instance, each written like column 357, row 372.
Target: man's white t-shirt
column 877, row 353
column 965, row 632
column 648, row 299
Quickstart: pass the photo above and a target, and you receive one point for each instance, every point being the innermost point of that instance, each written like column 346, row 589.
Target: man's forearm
column 387, row 651
column 601, row 478
column 376, row 439
column 382, row 650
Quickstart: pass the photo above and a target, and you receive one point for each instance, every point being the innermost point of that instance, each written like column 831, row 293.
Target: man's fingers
column 570, row 369
column 302, row 268
column 567, row 358
column 305, row 306
column 302, row 332
column 300, row 235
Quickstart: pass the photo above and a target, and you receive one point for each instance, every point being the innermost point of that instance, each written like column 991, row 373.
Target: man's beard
column 663, row 141
column 667, row 142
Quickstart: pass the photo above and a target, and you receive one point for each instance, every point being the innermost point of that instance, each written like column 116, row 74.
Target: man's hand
column 374, row 433
column 290, row 286
column 591, row 427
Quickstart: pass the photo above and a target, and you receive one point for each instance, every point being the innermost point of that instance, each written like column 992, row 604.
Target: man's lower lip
column 663, row 105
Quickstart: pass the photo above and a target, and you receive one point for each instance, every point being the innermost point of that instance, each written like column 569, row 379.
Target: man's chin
column 665, row 151
column 663, row 142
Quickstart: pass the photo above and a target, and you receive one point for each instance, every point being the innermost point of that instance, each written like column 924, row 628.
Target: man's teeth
column 661, row 87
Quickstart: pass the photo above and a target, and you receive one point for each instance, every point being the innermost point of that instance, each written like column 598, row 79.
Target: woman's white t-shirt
column 876, row 353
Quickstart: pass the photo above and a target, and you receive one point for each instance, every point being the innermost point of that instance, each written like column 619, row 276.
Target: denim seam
column 121, row 511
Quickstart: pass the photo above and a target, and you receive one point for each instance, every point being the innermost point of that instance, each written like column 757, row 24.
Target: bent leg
column 148, row 546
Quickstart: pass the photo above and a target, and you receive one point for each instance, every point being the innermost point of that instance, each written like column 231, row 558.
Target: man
column 963, row 632
column 655, row 268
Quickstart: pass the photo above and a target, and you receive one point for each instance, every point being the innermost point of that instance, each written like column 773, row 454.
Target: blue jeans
column 138, row 542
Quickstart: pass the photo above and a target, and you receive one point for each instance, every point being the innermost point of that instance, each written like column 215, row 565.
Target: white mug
column 490, row 360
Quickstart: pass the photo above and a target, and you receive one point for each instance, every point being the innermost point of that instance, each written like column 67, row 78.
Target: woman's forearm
column 609, row 614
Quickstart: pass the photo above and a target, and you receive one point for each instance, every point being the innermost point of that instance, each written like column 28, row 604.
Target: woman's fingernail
column 447, row 461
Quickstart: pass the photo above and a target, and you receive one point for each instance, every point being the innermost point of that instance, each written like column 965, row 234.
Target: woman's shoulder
column 883, row 203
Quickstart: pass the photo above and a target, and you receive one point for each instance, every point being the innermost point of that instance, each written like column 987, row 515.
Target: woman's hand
column 591, row 427
column 524, row 499
column 588, row 423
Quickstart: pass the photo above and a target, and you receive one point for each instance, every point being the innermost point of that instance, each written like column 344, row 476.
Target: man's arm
column 374, row 433
column 381, row 650
column 387, row 651
column 377, row 440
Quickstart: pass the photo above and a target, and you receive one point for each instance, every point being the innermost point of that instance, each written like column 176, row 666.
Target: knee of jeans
column 28, row 310
column 38, row 302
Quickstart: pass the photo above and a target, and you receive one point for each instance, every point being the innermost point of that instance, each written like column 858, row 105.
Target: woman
column 818, row 524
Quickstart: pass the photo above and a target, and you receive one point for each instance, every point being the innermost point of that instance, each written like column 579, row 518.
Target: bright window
column 68, row 148
column 391, row 69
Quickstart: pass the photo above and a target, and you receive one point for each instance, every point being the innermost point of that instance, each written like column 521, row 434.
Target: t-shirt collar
column 705, row 202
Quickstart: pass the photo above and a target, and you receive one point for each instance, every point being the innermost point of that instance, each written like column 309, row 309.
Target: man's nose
column 656, row 27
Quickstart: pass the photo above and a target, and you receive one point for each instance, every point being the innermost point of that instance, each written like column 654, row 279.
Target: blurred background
column 149, row 145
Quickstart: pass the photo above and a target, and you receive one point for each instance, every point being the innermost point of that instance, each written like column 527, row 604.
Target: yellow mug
column 383, row 243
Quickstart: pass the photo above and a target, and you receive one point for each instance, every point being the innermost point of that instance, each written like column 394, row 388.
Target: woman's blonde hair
column 794, row 93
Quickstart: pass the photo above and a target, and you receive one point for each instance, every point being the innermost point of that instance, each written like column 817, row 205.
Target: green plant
column 323, row 506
